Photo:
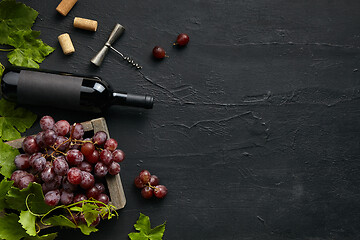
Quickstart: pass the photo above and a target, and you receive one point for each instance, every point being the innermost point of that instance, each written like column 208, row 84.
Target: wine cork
column 86, row 24
column 66, row 44
column 65, row 6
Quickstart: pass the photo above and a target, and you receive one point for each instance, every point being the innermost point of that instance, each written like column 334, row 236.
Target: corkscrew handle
column 114, row 35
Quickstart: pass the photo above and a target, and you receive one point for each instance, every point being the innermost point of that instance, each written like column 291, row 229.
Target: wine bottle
column 65, row 90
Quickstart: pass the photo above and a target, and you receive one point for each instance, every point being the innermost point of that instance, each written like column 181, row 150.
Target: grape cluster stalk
column 69, row 168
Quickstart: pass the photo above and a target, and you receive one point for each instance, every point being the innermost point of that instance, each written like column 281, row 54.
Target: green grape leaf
column 90, row 213
column 14, row 16
column 16, row 20
column 50, row 236
column 137, row 236
column 7, row 156
column 59, row 220
column 85, row 229
column 5, row 186
column 27, row 220
column 14, row 120
column 145, row 231
column 29, row 51
column 10, row 228
column 16, row 199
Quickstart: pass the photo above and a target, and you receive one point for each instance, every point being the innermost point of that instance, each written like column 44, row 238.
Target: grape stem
column 151, row 185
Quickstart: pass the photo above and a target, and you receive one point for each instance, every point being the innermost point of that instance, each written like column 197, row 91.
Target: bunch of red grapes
column 69, row 168
column 149, row 185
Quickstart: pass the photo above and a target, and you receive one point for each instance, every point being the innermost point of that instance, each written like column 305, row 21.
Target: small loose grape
column 182, row 39
column 158, row 52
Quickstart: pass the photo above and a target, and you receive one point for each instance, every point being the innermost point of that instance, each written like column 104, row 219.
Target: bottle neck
column 118, row 98
column 127, row 99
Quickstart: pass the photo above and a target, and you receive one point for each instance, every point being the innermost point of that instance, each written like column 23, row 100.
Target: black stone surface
column 255, row 129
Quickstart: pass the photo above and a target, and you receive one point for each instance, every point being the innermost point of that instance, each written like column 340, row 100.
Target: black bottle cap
column 140, row 101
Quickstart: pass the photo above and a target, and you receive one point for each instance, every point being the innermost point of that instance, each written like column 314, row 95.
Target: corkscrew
column 115, row 34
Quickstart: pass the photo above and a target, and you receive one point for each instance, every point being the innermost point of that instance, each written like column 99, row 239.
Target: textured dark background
column 255, row 128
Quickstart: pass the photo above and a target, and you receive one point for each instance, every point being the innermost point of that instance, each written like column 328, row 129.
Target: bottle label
column 49, row 89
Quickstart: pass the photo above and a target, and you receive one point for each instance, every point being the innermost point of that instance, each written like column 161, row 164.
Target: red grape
column 61, row 167
column 106, row 156
column 92, row 192
column 111, row 144
column 78, row 198
column 74, row 157
column 16, row 175
column 93, row 157
column 114, row 168
column 66, row 198
column 48, row 174
column 102, row 197
column 47, row 122
column 145, row 176
column 100, row 169
column 40, row 139
column 147, row 192
column 160, row 191
column 29, row 145
column 138, row 183
column 38, row 164
column 77, row 132
column 22, row 161
column 52, row 198
column 50, row 137
column 158, row 52
column 154, row 180
column 101, row 187
column 87, row 180
column 99, row 138
column 182, row 39
column 67, row 186
column 61, row 143
column 52, row 185
column 62, row 127
column 25, row 180
column 85, row 166
column 34, row 156
column 74, row 175
column 87, row 149
column 118, row 155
